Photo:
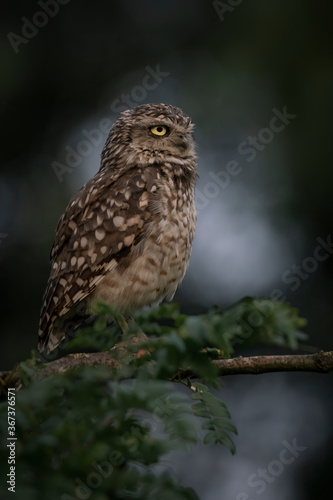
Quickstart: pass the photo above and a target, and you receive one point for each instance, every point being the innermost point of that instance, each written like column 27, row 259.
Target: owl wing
column 100, row 226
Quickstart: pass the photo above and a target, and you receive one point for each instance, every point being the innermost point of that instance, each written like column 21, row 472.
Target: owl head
column 150, row 133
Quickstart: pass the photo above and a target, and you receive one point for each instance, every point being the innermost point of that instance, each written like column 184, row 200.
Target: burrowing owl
column 126, row 236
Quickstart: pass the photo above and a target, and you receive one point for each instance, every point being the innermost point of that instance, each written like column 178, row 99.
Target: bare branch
column 320, row 362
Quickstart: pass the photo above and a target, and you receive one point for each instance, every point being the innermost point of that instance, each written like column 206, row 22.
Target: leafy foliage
column 217, row 417
column 248, row 321
column 93, row 433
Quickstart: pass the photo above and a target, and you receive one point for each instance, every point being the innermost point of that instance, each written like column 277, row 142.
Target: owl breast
column 157, row 264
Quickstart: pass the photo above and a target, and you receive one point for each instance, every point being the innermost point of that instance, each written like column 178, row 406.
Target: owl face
column 153, row 131
column 162, row 135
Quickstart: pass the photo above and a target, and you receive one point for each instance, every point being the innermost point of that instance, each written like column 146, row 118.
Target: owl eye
column 159, row 130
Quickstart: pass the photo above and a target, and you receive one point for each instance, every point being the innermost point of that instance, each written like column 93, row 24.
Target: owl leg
column 123, row 325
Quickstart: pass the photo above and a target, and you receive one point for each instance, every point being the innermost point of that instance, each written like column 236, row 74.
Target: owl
column 126, row 236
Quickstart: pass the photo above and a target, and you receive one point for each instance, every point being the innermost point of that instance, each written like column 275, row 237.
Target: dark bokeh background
column 229, row 71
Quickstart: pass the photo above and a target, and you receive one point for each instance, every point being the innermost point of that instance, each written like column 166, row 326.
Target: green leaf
column 202, row 413
column 211, row 438
column 226, row 441
column 224, row 424
column 208, row 425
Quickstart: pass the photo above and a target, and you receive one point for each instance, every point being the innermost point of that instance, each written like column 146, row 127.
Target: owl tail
column 62, row 331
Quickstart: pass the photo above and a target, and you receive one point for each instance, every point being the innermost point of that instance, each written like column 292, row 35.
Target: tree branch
column 321, row 362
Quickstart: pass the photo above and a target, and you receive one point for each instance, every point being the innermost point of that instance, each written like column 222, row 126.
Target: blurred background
column 256, row 77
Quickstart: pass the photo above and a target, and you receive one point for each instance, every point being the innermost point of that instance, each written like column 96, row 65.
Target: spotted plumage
column 126, row 236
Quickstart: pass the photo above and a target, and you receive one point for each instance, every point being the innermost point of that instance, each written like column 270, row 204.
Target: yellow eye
column 159, row 130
